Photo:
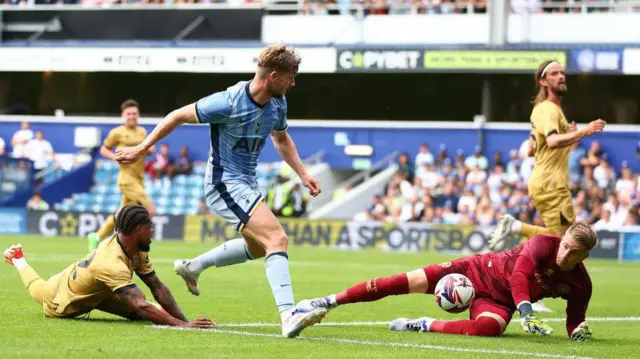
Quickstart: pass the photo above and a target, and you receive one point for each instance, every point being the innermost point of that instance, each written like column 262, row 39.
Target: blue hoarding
column 13, row 220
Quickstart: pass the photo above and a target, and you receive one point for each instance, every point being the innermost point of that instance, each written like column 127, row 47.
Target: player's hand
column 128, row 155
column 573, row 127
column 534, row 325
column 594, row 127
column 582, row 333
column 312, row 184
column 203, row 323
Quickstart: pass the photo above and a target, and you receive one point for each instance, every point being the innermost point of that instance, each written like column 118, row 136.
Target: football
column 454, row 293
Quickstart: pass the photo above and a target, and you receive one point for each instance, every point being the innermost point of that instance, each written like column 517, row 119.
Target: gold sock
column 106, row 228
column 529, row 230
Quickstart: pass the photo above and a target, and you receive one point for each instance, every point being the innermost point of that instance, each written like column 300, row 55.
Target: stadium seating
column 180, row 196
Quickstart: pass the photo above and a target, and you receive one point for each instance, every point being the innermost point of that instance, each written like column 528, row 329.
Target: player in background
column 551, row 141
column 103, row 280
column 131, row 176
column 240, row 119
column 544, row 266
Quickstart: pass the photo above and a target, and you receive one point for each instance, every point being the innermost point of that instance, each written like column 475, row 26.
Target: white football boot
column 190, row 278
column 295, row 321
column 419, row 325
column 309, row 305
column 501, row 233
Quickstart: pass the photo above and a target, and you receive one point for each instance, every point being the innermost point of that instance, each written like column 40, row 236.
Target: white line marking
column 354, row 324
column 386, row 344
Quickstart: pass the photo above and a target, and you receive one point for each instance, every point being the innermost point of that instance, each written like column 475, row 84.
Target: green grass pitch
column 241, row 295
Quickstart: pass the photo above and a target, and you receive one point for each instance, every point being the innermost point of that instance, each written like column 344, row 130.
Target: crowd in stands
column 27, row 145
column 438, row 189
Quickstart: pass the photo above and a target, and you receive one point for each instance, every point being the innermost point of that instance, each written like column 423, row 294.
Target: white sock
column 19, row 263
column 332, row 300
column 286, row 315
column 516, row 226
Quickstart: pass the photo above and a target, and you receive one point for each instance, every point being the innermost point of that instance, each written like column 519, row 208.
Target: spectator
column 514, row 160
column 605, row 222
column 497, row 159
column 477, row 159
column 593, row 155
column 40, row 152
column 467, row 201
column 277, row 196
column 36, row 203
column 442, row 154
column 411, row 211
column 626, row 183
column 485, row 213
column 428, row 176
column 448, row 197
column 20, row 139
column 459, row 160
column 159, row 165
column 575, row 157
column 183, row 165
column 604, row 174
column 365, row 216
column 496, row 182
column 203, row 209
column 424, row 157
column 405, row 166
column 476, row 178
column 2, row 147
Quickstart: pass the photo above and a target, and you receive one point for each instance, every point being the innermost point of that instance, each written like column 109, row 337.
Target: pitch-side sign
column 215, row 60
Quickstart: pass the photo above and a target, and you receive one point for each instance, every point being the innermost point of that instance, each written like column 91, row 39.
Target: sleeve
column 548, row 120
column 537, row 250
column 112, row 139
column 117, row 277
column 577, row 305
column 146, row 267
column 282, row 124
column 214, row 108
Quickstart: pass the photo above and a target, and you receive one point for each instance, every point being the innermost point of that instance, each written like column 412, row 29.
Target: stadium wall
column 312, row 136
column 622, row 244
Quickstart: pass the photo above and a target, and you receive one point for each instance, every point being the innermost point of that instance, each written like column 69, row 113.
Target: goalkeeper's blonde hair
column 278, row 57
column 583, row 235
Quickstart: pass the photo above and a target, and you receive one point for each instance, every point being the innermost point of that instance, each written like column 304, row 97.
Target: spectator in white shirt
column 475, row 179
column 20, row 140
column 605, row 222
column 40, row 152
column 603, row 173
column 424, row 157
column 468, row 201
column 2, row 147
column 626, row 184
column 477, row 159
column 429, row 177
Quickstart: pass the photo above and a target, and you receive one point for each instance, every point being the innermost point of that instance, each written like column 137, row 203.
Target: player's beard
column 560, row 89
column 144, row 247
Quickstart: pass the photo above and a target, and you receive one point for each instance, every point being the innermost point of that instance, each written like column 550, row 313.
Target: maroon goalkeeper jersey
column 529, row 272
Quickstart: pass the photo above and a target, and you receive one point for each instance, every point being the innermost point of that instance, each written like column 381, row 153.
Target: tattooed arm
column 162, row 294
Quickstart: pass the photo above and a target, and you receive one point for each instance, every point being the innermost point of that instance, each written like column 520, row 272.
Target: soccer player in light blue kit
column 240, row 119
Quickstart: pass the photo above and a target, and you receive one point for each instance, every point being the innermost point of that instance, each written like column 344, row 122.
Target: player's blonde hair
column 583, row 235
column 539, row 75
column 278, row 57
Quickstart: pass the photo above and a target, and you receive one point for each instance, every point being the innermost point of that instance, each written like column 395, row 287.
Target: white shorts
column 233, row 201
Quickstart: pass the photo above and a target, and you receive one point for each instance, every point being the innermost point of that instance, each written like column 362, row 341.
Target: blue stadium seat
column 179, row 191
column 179, row 201
column 180, row 180
column 195, row 181
column 101, row 177
column 78, row 207
column 193, row 202
column 199, row 169
column 113, row 188
column 113, row 199
column 161, row 210
column 97, row 198
column 176, row 211
column 112, row 208
column 163, row 201
column 99, row 188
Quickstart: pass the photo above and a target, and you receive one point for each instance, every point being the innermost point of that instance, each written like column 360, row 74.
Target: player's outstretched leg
column 229, row 253
column 371, row 290
column 487, row 318
column 263, row 228
column 483, row 326
column 509, row 226
column 14, row 256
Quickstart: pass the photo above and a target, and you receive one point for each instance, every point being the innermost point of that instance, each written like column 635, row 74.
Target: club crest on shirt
column 445, row 264
column 549, row 272
column 562, row 289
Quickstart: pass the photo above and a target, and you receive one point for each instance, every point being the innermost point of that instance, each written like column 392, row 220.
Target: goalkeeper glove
column 529, row 321
column 582, row 333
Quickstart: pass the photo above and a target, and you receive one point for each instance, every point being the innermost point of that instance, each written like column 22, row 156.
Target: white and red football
column 454, row 293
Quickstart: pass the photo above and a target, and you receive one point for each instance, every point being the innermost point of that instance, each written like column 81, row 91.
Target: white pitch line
column 386, row 344
column 353, row 324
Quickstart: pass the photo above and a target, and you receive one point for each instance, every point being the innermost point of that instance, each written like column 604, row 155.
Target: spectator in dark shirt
column 404, row 165
column 183, row 165
column 448, row 197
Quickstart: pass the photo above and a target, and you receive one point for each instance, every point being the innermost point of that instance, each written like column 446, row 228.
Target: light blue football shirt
column 239, row 128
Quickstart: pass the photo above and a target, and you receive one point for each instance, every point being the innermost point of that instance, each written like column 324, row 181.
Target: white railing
column 354, row 8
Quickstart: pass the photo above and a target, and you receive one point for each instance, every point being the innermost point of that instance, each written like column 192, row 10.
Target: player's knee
column 488, row 327
column 277, row 243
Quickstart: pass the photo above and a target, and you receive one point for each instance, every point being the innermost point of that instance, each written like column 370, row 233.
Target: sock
column 106, row 228
column 529, row 230
column 31, row 280
column 375, row 289
column 19, row 263
column 229, row 253
column 277, row 267
column 483, row 326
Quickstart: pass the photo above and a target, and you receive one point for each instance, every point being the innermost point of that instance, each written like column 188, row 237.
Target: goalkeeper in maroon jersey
column 545, row 266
